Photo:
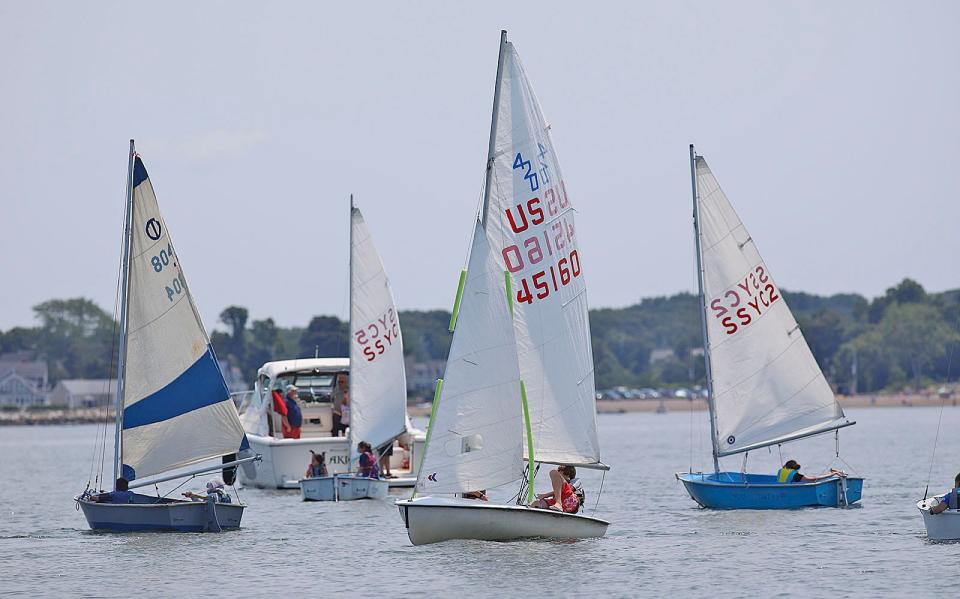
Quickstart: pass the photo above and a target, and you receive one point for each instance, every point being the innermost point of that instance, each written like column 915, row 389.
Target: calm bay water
column 658, row 543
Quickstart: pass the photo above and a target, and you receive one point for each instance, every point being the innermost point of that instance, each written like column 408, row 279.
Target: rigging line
column 177, row 487
column 599, row 493
column 936, row 439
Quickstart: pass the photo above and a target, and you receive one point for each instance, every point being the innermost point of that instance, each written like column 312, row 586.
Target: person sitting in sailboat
column 790, row 473
column 480, row 495
column 294, row 413
column 560, row 481
column 318, row 465
column 950, row 501
column 368, row 461
column 123, row 494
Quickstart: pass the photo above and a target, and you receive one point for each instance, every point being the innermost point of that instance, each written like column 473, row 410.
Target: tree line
column 904, row 338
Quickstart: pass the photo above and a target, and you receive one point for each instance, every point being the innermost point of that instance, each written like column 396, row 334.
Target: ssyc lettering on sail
column 546, row 243
column 744, row 303
column 378, row 336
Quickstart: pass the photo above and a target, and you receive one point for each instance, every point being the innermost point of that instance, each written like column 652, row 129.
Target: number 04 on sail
column 765, row 388
column 519, row 377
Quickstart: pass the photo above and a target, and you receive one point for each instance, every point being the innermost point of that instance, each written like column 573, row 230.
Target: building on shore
column 23, row 384
column 84, row 393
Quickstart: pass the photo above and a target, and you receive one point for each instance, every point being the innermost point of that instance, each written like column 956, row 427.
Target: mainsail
column 378, row 383
column 766, row 385
column 530, row 222
column 176, row 407
column 475, row 439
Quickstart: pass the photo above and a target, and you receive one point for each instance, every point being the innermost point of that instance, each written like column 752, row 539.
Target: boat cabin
column 315, row 379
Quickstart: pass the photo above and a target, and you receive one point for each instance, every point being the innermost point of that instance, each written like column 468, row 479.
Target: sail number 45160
column 560, row 274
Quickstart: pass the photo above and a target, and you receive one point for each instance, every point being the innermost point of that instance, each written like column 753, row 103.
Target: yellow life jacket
column 785, row 475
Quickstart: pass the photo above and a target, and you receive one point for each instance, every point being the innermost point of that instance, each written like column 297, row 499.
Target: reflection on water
column 659, row 542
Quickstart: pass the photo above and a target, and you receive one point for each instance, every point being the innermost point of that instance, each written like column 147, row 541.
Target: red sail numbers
column 378, row 336
column 548, row 241
column 743, row 304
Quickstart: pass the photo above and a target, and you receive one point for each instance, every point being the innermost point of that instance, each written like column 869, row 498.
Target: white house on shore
column 84, row 393
column 23, row 384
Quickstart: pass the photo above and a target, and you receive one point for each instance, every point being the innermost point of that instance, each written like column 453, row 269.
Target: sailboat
column 518, row 385
column 173, row 406
column 765, row 387
column 378, row 381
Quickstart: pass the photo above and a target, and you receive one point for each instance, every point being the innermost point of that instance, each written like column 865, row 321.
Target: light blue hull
column 733, row 490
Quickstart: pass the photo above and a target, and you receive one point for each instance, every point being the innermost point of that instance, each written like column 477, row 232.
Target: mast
column 124, row 300
column 493, row 131
column 703, row 307
column 350, row 342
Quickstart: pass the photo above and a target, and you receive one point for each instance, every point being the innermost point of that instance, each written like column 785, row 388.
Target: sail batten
column 176, row 408
column 766, row 387
column 378, row 384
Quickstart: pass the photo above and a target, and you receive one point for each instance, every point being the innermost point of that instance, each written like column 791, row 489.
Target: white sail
column 176, row 407
column 767, row 387
column 475, row 439
column 530, row 222
column 378, row 383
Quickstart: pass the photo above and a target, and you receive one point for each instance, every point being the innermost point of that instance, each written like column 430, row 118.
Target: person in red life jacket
column 294, row 413
column 280, row 407
column 560, row 481
column 368, row 461
column 950, row 501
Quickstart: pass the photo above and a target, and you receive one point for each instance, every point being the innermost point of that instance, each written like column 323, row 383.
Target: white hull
column 343, row 488
column 433, row 519
column 180, row 516
column 944, row 526
column 285, row 460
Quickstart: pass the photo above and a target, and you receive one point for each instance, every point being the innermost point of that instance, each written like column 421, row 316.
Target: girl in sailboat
column 790, row 473
column 949, row 501
column 318, row 465
column 560, row 481
column 368, row 461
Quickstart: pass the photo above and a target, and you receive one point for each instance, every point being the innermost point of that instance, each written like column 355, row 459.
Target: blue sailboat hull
column 734, row 490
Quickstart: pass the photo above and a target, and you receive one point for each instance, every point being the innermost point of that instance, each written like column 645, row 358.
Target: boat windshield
column 313, row 387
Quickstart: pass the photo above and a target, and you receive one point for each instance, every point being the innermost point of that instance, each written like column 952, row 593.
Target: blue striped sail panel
column 176, row 407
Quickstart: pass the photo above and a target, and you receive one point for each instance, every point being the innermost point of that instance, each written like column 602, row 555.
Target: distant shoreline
column 607, row 406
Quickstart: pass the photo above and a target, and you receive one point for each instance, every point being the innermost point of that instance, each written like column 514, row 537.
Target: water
column 658, row 543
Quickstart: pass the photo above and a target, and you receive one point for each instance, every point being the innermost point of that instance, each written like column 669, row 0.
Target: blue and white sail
column 176, row 406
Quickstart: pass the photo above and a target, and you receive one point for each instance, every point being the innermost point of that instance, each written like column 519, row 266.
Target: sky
column 833, row 128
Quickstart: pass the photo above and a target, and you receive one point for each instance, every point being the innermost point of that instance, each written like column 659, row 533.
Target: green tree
column 325, row 335
column 235, row 318
column 76, row 337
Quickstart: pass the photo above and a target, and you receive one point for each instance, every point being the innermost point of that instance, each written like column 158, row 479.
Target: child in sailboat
column 318, row 465
column 790, row 473
column 949, row 501
column 368, row 461
column 560, row 481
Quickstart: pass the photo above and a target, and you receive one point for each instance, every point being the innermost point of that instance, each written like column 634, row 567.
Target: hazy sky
column 833, row 127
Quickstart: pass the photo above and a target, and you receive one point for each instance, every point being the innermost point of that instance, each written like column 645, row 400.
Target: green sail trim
column 531, row 471
column 456, row 302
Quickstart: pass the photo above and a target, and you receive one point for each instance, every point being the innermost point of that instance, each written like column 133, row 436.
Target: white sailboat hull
column 284, row 460
column 343, row 488
column 944, row 526
column 172, row 515
column 433, row 520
